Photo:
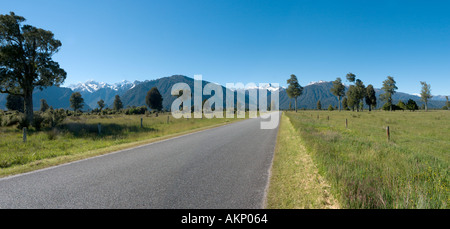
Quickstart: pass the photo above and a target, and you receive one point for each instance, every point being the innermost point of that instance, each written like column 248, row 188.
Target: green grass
column 77, row 138
column 365, row 170
column 295, row 182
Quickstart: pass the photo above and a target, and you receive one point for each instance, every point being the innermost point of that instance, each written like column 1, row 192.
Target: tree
column 76, row 101
column 44, row 105
column 425, row 94
column 389, row 88
column 26, row 60
column 14, row 103
column 101, row 104
column 338, row 90
column 360, row 93
column 447, row 104
column 412, row 105
column 371, row 98
column 294, row 89
column 319, row 105
column 401, row 105
column 352, row 97
column 345, row 103
column 117, row 105
column 154, row 99
column 350, row 77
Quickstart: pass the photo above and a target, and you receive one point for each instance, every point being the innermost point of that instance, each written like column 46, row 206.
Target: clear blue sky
column 229, row 41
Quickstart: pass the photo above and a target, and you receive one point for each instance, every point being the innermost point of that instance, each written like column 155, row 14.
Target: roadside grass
column 295, row 182
column 78, row 138
column 365, row 170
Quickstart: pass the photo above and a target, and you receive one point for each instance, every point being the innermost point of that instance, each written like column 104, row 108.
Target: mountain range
column 133, row 94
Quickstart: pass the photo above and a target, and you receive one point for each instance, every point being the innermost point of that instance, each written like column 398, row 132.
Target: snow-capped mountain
column 316, row 82
column 92, row 91
column 92, row 86
column 266, row 86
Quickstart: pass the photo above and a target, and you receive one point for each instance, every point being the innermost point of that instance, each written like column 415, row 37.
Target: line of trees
column 359, row 95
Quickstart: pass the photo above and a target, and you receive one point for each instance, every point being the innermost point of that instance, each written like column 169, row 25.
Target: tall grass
column 366, row 170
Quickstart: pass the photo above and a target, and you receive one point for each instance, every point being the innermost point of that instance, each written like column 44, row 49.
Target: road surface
column 223, row 167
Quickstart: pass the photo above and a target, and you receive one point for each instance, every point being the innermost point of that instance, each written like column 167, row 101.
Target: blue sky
column 230, row 41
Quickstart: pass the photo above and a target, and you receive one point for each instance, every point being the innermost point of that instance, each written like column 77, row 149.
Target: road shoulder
column 295, row 182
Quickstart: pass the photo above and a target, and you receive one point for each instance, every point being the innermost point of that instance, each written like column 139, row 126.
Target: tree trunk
column 28, row 105
column 339, row 103
column 296, row 104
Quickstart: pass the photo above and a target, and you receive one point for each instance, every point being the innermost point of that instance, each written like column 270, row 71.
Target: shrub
column 10, row 119
column 330, row 108
column 38, row 120
column 23, row 121
column 53, row 118
column 136, row 110
column 52, row 134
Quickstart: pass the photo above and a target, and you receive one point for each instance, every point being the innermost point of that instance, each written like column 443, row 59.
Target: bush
column 136, row 110
column 23, row 121
column 10, row 120
column 53, row 118
column 38, row 120
column 52, row 134
column 330, row 108
column 387, row 107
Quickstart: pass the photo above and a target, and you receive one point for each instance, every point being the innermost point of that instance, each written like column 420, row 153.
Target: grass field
column 77, row 138
column 365, row 170
column 295, row 182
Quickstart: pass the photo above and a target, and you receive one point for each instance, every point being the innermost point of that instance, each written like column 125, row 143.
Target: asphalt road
column 224, row 167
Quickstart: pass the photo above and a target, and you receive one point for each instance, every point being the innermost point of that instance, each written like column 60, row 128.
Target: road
column 223, row 167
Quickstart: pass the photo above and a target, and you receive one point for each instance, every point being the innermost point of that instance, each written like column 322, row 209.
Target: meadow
column 77, row 137
column 366, row 170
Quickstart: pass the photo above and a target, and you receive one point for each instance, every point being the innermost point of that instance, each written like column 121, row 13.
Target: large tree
column 154, row 99
column 371, row 98
column 389, row 89
column 338, row 90
column 26, row 60
column 294, row 89
column 425, row 94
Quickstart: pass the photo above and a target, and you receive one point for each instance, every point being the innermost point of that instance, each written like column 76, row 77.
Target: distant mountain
column 136, row 96
column 57, row 97
column 440, row 97
column 133, row 94
column 92, row 91
column 321, row 91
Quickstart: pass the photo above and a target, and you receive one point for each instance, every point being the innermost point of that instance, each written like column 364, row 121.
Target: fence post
column 142, row 126
column 168, row 119
column 346, row 123
column 388, row 133
column 24, row 134
column 99, row 128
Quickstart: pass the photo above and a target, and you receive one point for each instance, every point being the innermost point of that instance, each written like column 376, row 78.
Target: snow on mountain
column 316, row 82
column 266, row 86
column 92, row 86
